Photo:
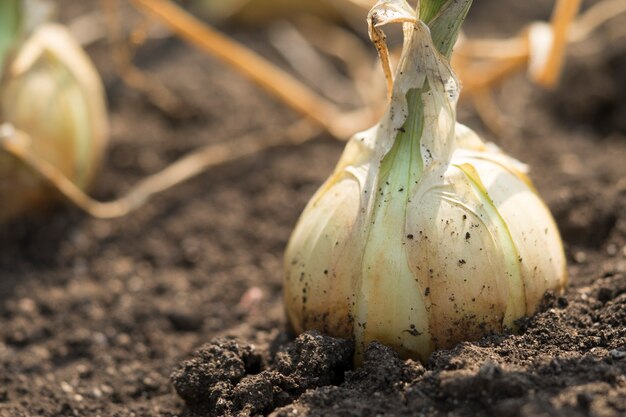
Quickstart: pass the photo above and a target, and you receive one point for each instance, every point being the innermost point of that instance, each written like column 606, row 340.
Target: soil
column 176, row 309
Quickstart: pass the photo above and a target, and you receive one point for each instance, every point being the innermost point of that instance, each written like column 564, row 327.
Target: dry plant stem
column 139, row 35
column 88, row 28
column 478, row 81
column 307, row 62
column 277, row 82
column 562, row 19
column 595, row 17
column 132, row 76
column 511, row 55
column 346, row 47
column 187, row 167
column 380, row 42
column 480, row 76
column 492, row 48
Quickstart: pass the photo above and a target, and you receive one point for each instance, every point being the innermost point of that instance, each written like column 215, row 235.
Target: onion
column 424, row 236
column 52, row 94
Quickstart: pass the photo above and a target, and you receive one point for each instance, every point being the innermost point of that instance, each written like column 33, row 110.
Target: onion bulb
column 424, row 235
column 50, row 91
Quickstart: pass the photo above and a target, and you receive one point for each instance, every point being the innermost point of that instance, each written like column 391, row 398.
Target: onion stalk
column 424, row 235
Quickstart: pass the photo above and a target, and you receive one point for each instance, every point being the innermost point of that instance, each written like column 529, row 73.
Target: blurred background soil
column 96, row 315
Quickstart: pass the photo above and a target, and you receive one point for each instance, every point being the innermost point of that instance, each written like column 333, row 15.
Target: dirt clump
column 228, row 378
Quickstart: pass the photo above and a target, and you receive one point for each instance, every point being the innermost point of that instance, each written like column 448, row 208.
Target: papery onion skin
column 445, row 282
column 51, row 91
column 424, row 236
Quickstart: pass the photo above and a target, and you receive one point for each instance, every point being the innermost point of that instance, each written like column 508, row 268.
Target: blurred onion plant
column 51, row 101
column 424, row 236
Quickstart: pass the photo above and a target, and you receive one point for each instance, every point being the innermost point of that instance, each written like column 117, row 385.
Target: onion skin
column 440, row 278
column 424, row 236
column 52, row 92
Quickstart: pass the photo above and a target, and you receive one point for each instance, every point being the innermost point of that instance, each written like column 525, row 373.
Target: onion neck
column 444, row 19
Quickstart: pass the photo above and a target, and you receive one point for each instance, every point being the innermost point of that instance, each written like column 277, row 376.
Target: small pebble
column 135, row 283
column 83, row 370
column 27, row 305
column 122, row 339
column 67, row 388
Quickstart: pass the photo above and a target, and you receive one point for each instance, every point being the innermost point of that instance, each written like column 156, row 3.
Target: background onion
column 51, row 92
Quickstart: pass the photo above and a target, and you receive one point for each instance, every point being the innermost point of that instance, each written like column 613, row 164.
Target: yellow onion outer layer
column 424, row 236
column 52, row 92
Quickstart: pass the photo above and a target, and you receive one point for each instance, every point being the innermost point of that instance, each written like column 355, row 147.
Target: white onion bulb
column 51, row 91
column 423, row 236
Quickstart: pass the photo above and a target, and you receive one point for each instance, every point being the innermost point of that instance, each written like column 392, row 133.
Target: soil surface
column 176, row 309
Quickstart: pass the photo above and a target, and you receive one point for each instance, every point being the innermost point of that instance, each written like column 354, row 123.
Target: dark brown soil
column 102, row 318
